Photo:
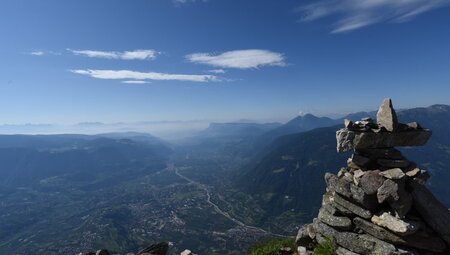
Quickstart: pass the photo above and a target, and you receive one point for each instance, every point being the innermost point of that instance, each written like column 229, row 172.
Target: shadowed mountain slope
column 287, row 175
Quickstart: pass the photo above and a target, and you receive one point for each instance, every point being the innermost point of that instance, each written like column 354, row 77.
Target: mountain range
column 287, row 174
column 28, row 159
column 112, row 189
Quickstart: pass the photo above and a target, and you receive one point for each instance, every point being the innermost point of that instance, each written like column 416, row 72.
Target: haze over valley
column 225, row 187
column 186, row 127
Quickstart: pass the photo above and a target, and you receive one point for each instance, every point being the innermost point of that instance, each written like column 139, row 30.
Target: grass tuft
column 272, row 246
column 325, row 248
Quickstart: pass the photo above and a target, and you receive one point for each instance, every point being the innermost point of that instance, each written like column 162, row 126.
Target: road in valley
column 203, row 187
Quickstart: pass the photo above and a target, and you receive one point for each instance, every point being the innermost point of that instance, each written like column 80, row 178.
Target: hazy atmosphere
column 224, row 127
column 69, row 62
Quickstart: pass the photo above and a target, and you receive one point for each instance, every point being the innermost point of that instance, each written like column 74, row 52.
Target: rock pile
column 379, row 203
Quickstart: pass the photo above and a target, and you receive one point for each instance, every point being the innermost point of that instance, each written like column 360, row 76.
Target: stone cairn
column 379, row 203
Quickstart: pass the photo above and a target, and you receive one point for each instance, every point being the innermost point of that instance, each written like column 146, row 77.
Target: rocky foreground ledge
column 154, row 249
column 379, row 203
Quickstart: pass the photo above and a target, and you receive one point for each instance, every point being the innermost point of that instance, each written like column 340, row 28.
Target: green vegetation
column 277, row 171
column 325, row 248
column 271, row 246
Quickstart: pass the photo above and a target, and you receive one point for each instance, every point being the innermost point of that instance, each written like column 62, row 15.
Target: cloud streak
column 135, row 82
column 42, row 53
column 124, row 55
column 37, row 53
column 129, row 76
column 216, row 71
column 182, row 2
column 356, row 14
column 239, row 59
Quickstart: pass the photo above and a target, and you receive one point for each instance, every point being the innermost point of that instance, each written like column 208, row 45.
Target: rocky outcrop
column 154, row 249
column 379, row 203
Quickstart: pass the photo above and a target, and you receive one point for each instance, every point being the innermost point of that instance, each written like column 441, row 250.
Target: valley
column 218, row 193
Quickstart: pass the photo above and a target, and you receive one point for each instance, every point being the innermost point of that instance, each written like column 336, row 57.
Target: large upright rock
column 432, row 211
column 386, row 116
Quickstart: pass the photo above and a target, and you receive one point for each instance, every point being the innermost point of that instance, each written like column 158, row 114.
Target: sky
column 112, row 61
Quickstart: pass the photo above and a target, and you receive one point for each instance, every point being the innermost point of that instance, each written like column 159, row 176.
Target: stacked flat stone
column 379, row 203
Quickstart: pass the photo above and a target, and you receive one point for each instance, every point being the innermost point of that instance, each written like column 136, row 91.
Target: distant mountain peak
column 440, row 107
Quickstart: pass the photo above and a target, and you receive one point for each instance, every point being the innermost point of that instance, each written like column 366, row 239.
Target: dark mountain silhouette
column 300, row 124
column 288, row 174
column 26, row 160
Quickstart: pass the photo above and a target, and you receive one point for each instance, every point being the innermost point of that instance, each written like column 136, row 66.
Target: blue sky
column 220, row 60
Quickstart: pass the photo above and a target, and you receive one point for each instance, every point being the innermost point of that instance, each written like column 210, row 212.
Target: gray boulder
column 348, row 240
column 357, row 174
column 389, row 189
column 419, row 241
column 433, row 212
column 396, row 225
column 338, row 185
column 386, row 116
column 395, row 194
column 305, row 236
column 393, row 174
column 348, row 140
column 413, row 172
column 356, row 209
column 360, row 161
column 379, row 247
column 334, row 208
column 343, row 251
column 337, row 222
column 371, row 181
column 377, row 153
column 346, row 188
column 361, row 197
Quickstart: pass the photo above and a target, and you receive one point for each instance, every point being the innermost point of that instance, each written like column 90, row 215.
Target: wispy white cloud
column 241, row 59
column 217, row 71
column 37, row 53
column 124, row 55
column 135, row 82
column 355, row 14
column 143, row 76
column 42, row 52
column 182, row 2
